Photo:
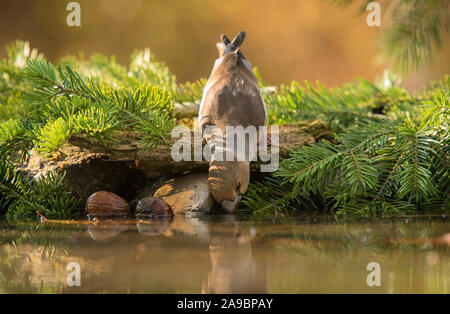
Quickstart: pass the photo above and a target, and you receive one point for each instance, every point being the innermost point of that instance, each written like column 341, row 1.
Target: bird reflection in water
column 233, row 268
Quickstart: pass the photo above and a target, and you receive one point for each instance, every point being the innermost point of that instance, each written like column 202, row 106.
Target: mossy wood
column 128, row 148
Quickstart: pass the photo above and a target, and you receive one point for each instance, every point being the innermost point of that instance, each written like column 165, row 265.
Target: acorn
column 103, row 203
column 154, row 206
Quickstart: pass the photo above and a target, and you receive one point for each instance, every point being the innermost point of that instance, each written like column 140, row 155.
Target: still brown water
column 225, row 254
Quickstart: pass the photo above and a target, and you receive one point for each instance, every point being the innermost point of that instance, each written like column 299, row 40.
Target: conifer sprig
column 378, row 168
column 411, row 29
column 95, row 110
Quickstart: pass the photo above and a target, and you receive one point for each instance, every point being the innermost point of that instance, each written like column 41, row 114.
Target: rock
column 153, row 206
column 187, row 194
column 104, row 203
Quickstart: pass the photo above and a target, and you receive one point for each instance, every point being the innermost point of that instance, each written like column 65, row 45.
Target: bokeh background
column 287, row 39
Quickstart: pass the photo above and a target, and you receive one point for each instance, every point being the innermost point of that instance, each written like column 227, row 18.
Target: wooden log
column 127, row 152
column 124, row 167
column 129, row 148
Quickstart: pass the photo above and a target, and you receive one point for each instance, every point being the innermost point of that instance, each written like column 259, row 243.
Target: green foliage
column 155, row 129
column 144, row 67
column 96, row 97
column 96, row 122
column 382, row 167
column 16, row 139
column 21, row 198
column 49, row 196
column 267, row 197
column 190, row 92
column 11, row 78
column 413, row 29
column 11, row 186
column 53, row 135
column 341, row 107
column 352, row 104
column 100, row 67
column 416, row 28
column 62, row 103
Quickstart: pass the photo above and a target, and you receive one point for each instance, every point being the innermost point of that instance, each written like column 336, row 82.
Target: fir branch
column 107, row 110
column 415, row 28
column 262, row 198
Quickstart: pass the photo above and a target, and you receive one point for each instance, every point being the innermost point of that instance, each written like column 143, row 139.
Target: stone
column 187, row 194
column 103, row 203
column 153, row 206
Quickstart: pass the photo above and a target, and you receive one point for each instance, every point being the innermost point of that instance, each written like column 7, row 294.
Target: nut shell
column 103, row 203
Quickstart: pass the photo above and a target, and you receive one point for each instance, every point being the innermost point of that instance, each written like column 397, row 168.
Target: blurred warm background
column 287, row 39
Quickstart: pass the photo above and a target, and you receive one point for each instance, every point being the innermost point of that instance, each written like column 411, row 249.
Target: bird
column 231, row 97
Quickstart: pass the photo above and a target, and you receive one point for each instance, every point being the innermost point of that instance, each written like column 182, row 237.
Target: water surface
column 225, row 254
